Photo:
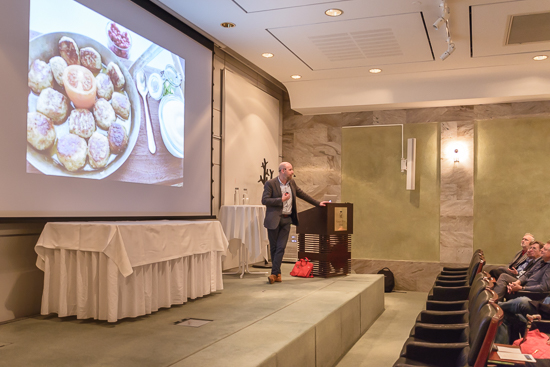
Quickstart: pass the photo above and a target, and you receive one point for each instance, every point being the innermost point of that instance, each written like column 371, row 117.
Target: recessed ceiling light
column 375, row 70
column 334, row 12
column 267, row 55
column 296, row 76
column 228, row 25
column 540, row 57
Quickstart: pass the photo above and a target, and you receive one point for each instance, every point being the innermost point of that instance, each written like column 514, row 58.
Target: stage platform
column 299, row 322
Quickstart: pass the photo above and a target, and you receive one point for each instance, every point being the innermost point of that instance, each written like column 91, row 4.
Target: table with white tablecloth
column 246, row 223
column 112, row 270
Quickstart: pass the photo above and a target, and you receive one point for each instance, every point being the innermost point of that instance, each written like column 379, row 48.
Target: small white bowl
column 171, row 117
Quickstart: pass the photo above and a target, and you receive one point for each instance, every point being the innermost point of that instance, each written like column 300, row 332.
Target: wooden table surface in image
column 144, row 167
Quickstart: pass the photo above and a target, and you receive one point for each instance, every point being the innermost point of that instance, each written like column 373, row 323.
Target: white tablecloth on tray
column 112, row 270
column 246, row 223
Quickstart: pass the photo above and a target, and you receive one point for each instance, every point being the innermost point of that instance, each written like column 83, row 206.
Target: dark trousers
column 278, row 238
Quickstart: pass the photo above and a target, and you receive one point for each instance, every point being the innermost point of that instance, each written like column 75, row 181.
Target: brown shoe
column 279, row 278
column 272, row 278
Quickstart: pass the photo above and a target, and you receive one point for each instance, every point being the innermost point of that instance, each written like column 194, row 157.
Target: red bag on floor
column 535, row 344
column 302, row 268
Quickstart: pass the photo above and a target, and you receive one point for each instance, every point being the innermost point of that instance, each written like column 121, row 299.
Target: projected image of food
column 103, row 101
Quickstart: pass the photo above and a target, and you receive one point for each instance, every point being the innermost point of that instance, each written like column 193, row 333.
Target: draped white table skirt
column 89, row 284
column 246, row 223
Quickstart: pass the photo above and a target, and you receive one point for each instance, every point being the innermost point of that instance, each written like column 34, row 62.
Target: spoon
column 141, row 83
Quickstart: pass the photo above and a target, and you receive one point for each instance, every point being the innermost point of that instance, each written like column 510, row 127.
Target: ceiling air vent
column 358, row 45
column 529, row 28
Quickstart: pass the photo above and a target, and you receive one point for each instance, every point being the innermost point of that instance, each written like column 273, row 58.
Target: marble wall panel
column 448, row 191
column 457, row 207
column 530, row 108
column 456, row 192
column 456, row 223
column 465, row 129
column 389, row 117
column 440, row 114
column 334, row 120
column 492, row 111
column 409, row 275
column 297, row 122
column 456, row 246
column 357, row 118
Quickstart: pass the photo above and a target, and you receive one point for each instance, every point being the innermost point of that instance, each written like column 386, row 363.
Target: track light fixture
column 439, row 22
column 449, row 51
column 443, row 19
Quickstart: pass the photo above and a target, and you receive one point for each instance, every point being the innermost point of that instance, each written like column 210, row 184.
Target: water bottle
column 236, row 196
column 245, row 197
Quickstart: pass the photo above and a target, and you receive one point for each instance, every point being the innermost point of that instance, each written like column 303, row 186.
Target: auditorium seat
column 473, row 353
column 442, row 291
column 462, row 268
column 446, row 311
column 476, row 265
column 442, row 328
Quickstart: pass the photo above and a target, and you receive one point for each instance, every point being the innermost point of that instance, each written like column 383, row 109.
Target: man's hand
column 324, row 203
column 514, row 287
column 514, row 271
column 286, row 196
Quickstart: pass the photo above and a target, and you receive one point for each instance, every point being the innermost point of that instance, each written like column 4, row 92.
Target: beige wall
column 20, row 280
column 390, row 221
column 314, row 145
column 512, row 180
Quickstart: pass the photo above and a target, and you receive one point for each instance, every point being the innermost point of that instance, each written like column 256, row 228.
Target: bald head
column 285, row 172
column 284, row 165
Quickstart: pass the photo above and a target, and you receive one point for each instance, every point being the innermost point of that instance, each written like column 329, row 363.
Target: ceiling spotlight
column 375, row 71
column 296, row 76
column 449, row 51
column 540, row 57
column 228, row 25
column 439, row 22
column 267, row 55
column 334, row 12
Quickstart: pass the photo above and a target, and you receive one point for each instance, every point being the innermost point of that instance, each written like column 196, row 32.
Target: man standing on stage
column 279, row 197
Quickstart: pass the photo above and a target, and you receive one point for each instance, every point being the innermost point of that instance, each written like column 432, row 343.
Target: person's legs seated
column 501, row 286
column 497, row 272
column 518, row 305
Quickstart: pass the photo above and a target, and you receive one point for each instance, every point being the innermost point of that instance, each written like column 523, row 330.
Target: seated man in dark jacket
column 533, row 254
column 537, row 279
column 519, row 258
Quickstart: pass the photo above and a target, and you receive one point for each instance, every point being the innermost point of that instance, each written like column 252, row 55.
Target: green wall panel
column 512, row 180
column 391, row 222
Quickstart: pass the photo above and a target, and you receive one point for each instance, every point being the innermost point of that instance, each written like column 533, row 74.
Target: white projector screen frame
column 26, row 195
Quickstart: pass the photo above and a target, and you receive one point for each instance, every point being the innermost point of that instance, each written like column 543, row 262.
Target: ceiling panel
column 394, row 39
column 252, row 6
column 491, row 24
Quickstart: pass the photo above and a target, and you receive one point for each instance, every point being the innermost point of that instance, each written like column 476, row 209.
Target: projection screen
column 117, row 109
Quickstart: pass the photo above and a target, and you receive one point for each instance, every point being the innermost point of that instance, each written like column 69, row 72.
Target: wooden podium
column 324, row 237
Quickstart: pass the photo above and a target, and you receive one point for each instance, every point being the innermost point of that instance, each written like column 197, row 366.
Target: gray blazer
column 272, row 199
column 518, row 259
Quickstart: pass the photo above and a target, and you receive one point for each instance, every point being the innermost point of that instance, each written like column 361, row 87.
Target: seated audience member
column 519, row 258
column 533, row 254
column 516, row 311
column 537, row 279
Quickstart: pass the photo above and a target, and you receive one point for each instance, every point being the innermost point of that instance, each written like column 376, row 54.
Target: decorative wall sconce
column 457, row 156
